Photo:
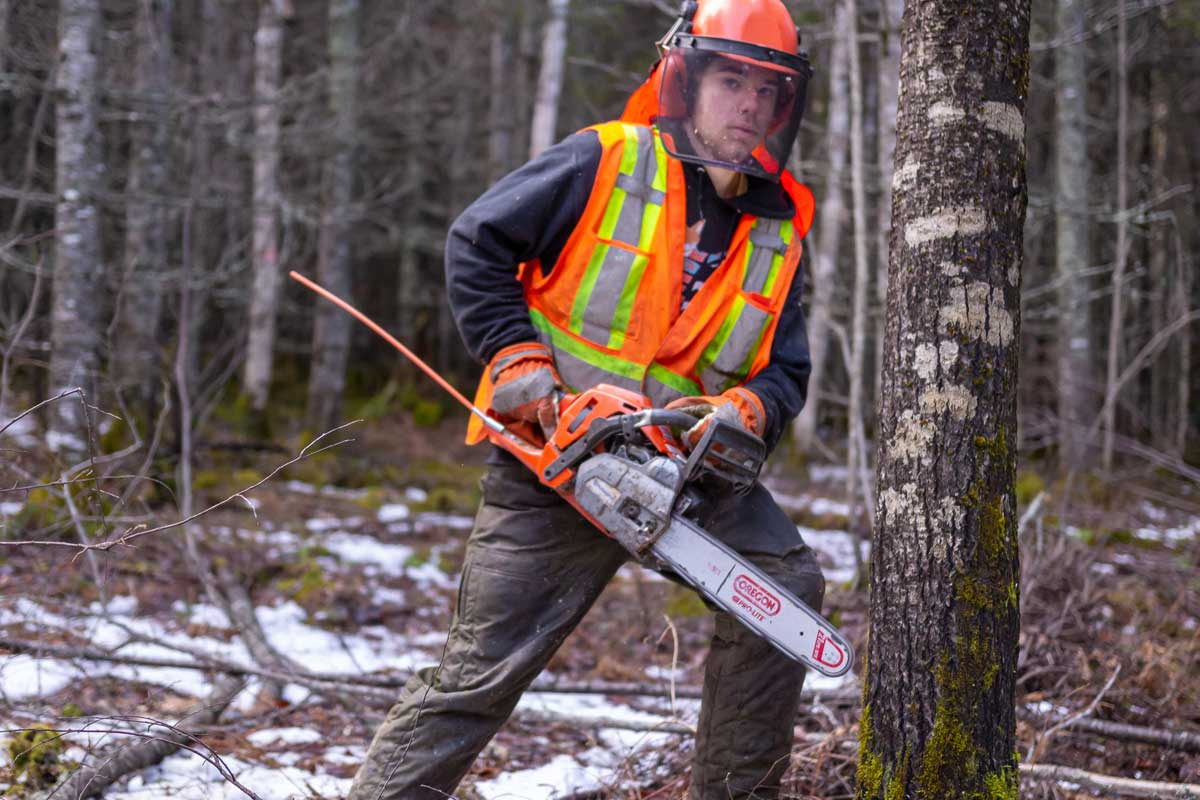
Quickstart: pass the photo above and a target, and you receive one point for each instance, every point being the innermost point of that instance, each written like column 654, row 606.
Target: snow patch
column 284, row 736
column 392, row 512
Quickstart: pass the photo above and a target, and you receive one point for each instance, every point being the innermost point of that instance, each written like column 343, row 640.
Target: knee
column 800, row 573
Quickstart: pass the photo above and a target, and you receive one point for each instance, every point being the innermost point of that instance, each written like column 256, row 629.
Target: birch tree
column 1076, row 401
column 859, row 342
column 829, row 230
column 331, row 333
column 545, row 108
column 75, row 314
column 938, row 714
column 264, row 297
column 136, row 350
column 1116, row 314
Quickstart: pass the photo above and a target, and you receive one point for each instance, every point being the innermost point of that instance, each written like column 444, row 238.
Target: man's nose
column 749, row 101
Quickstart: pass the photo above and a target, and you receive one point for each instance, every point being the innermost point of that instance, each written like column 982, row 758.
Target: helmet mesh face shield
column 731, row 104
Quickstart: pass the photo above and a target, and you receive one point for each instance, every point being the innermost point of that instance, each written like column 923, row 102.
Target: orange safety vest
column 609, row 309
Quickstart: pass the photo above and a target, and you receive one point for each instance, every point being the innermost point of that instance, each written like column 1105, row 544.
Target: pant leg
column 751, row 690
column 533, row 568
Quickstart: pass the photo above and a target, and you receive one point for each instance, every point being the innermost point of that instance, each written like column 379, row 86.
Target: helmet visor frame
column 686, row 57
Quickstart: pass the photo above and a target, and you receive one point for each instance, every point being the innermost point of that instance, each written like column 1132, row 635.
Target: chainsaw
column 616, row 460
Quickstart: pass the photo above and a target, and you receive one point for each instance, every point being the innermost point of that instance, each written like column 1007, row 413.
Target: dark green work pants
column 533, row 568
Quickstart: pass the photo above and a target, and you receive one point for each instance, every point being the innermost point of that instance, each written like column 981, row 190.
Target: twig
column 1126, row 787
column 131, row 535
column 1031, row 513
column 1036, row 750
column 674, row 658
column 17, row 335
column 46, row 402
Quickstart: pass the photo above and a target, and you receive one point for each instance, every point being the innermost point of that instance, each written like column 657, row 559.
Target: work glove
column 738, row 405
column 525, row 384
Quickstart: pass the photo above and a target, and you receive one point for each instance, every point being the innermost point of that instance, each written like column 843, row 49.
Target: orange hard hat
column 765, row 23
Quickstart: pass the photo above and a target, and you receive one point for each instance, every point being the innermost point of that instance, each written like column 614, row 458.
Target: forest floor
column 352, row 560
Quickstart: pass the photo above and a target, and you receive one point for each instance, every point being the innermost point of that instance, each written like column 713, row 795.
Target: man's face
column 734, row 106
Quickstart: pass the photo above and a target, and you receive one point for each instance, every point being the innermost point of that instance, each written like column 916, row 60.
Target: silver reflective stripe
column 606, row 294
column 642, row 191
column 578, row 375
column 730, row 366
column 599, row 318
column 638, row 188
column 659, row 393
column 767, row 244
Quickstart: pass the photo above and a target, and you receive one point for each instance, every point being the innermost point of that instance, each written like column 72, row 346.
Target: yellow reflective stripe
column 685, row 386
column 589, row 355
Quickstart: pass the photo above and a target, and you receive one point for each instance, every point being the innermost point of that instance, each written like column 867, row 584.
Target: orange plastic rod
column 394, row 342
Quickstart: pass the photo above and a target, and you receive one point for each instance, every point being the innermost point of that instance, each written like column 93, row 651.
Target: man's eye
column 768, row 91
column 732, row 83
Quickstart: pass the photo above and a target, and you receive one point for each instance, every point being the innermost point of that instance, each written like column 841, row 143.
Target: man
column 662, row 259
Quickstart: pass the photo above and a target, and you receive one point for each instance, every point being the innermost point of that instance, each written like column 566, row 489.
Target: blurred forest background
column 163, row 163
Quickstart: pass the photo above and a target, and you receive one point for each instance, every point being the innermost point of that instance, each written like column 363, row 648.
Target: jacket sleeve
column 527, row 215
column 783, row 384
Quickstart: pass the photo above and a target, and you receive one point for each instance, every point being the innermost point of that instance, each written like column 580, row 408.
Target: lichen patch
column 963, row 221
column 913, row 437
column 1004, row 118
column 952, row 399
column 978, row 311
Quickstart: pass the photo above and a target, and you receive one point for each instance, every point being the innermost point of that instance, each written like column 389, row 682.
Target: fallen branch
column 1125, row 787
column 91, row 781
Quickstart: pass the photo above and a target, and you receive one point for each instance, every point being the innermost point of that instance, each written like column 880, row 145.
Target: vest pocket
column 602, row 311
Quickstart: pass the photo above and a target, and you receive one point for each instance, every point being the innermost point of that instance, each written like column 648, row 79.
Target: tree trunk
column 891, row 12
column 5, row 12
column 545, row 108
column 264, row 298
column 137, row 350
column 1076, row 396
column 331, row 334
column 1116, row 314
column 938, row 716
column 860, row 330
column 500, row 101
column 829, row 230
column 75, row 315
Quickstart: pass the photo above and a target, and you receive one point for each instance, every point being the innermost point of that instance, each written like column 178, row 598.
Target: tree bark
column 75, row 314
column 829, row 229
column 264, row 298
column 554, row 48
column 331, row 333
column 1076, row 394
column 136, row 351
column 938, row 705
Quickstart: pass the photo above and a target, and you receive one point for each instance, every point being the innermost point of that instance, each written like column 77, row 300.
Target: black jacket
column 530, row 213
